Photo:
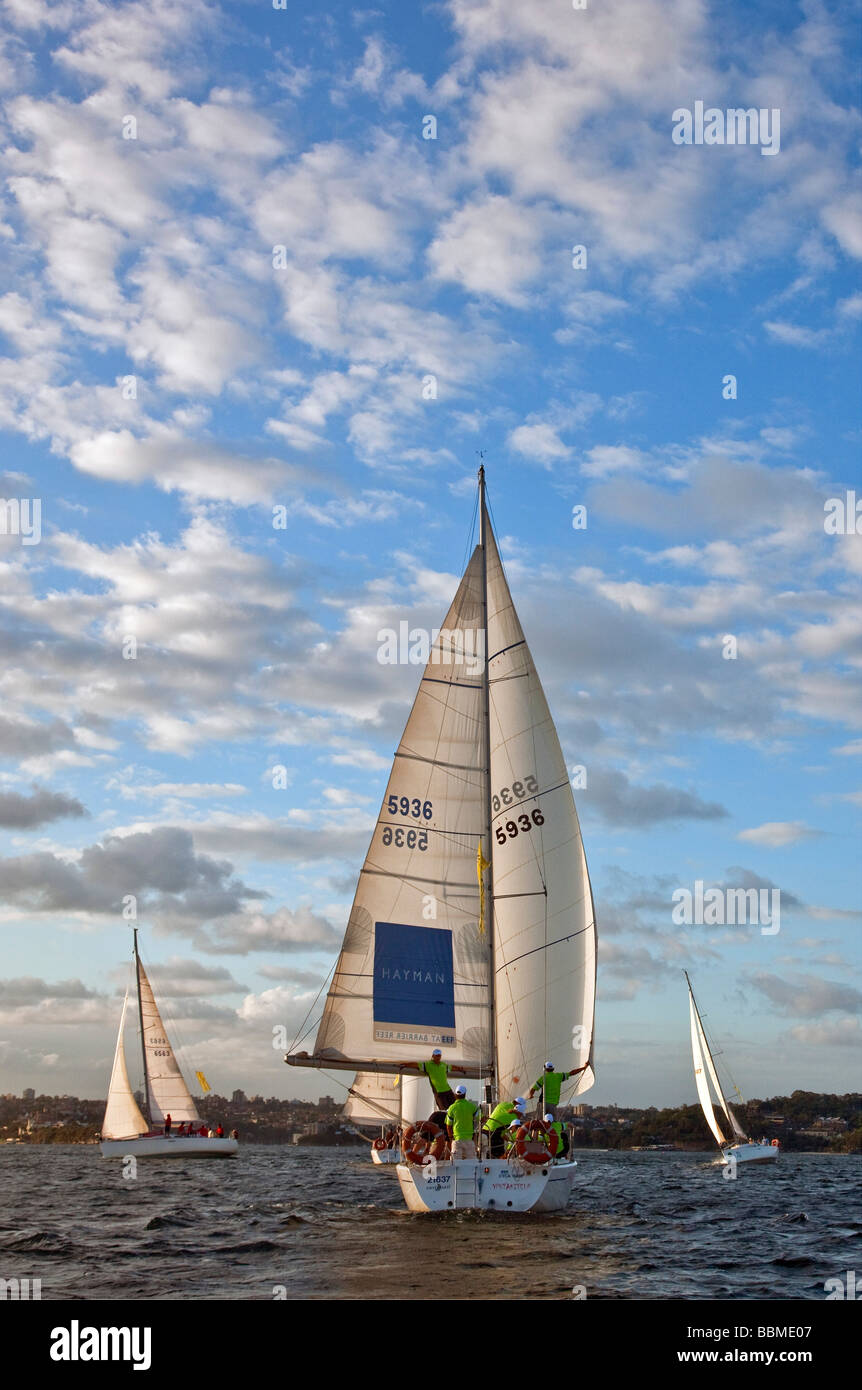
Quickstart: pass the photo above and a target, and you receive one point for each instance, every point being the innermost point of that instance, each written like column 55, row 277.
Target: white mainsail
column 373, row 1099
column 544, row 919
column 413, row 973
column 700, row 1078
column 168, row 1092
column 123, row 1119
column 703, row 1063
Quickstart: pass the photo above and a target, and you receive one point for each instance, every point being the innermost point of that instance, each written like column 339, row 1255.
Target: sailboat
column 739, row 1149
column 374, row 1099
column 473, row 925
column 125, row 1130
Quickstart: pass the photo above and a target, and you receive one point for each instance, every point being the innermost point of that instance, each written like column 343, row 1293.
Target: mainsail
column 473, row 926
column 705, row 1066
column 123, row 1119
column 168, row 1092
column 413, row 973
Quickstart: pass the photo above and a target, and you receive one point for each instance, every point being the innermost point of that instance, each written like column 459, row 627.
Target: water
column 326, row 1223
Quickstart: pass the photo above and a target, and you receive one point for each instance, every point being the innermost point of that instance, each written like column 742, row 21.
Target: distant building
column 239, row 1098
column 29, row 1094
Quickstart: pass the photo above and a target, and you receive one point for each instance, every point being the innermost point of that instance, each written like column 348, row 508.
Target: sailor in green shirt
column 559, row 1129
column 550, row 1084
column 437, row 1072
column 461, row 1123
column 499, row 1120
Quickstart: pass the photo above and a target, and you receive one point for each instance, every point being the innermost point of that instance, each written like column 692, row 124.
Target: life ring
column 379, row 1144
column 535, row 1143
column 775, row 1144
column 418, row 1140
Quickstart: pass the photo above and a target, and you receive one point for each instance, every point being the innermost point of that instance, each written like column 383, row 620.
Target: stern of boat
column 474, row 1184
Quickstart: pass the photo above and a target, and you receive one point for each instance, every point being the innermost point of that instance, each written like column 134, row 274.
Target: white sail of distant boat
column 387, row 1102
column 473, row 926
column 705, row 1071
column 125, row 1130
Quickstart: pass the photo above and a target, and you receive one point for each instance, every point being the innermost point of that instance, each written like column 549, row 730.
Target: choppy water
column 326, row 1223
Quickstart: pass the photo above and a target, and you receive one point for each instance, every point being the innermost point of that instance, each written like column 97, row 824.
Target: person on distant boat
column 211, row 1134
column 499, row 1120
column 219, row 1133
column 461, row 1123
column 437, row 1072
column 203, row 1131
column 549, row 1084
column 234, row 1134
column 168, row 1125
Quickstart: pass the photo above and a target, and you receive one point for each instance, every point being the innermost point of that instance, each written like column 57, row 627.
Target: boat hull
column 490, row 1184
column 385, row 1155
column 168, row 1146
column 751, row 1153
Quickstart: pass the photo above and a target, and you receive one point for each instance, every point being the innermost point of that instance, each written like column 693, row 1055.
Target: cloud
column 18, row 812
column 538, row 442
column 612, row 796
column 776, row 834
column 807, row 996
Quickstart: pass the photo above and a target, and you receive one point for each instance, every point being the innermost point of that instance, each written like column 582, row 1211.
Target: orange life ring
column 379, row 1144
column 775, row 1144
column 535, row 1143
column 418, row 1140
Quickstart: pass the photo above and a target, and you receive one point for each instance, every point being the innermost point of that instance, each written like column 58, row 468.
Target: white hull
column 385, row 1155
column 163, row 1146
column 751, row 1153
column 490, row 1184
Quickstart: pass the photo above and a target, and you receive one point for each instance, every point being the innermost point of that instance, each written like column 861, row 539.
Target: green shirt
column 461, row 1115
column 501, row 1116
column 437, row 1073
column 551, row 1082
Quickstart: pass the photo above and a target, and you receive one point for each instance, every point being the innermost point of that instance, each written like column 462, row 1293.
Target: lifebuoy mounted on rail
column 418, row 1140
column 535, row 1143
column 775, row 1144
column 379, row 1144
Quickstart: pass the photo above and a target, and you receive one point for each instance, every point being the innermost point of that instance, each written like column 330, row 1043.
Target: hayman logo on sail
column 417, row 646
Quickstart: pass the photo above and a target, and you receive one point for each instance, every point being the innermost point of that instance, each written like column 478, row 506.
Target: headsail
column 123, row 1118
column 544, row 918
column 373, row 1100
column 414, row 969
column 704, row 1061
column 168, row 1092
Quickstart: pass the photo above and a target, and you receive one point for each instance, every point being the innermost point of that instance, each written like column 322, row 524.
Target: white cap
column 515, row 1124
column 549, row 1066
column 436, row 1052
column 549, row 1119
column 519, row 1102
column 460, row 1090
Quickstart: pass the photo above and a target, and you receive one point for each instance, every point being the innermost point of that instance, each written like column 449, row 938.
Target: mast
column 489, row 898
column 147, row 1114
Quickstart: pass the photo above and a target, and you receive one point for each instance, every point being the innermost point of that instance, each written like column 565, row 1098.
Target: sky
column 303, row 265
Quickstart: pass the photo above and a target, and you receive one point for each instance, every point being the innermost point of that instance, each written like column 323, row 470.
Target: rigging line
column 414, row 878
column 470, row 545
column 463, row 685
column 302, row 1035
column 547, row 946
column 418, row 758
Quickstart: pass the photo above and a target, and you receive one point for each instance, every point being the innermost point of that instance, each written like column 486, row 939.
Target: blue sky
column 301, row 378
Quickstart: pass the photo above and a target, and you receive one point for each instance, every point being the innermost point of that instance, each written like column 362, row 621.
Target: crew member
column 437, row 1072
column 168, row 1125
column 499, row 1120
column 460, row 1124
column 550, row 1084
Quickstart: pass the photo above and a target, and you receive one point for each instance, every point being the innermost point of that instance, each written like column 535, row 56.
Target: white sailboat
column 391, row 1103
column 473, row 926
column 739, row 1149
column 125, row 1130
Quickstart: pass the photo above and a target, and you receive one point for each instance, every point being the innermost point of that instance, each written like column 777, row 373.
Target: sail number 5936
column 398, row 836
column 507, row 796
column 525, row 822
column 406, row 807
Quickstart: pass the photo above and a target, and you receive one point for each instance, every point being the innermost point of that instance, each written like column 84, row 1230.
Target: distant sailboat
column 741, row 1149
column 124, row 1129
column 473, row 926
column 375, row 1099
